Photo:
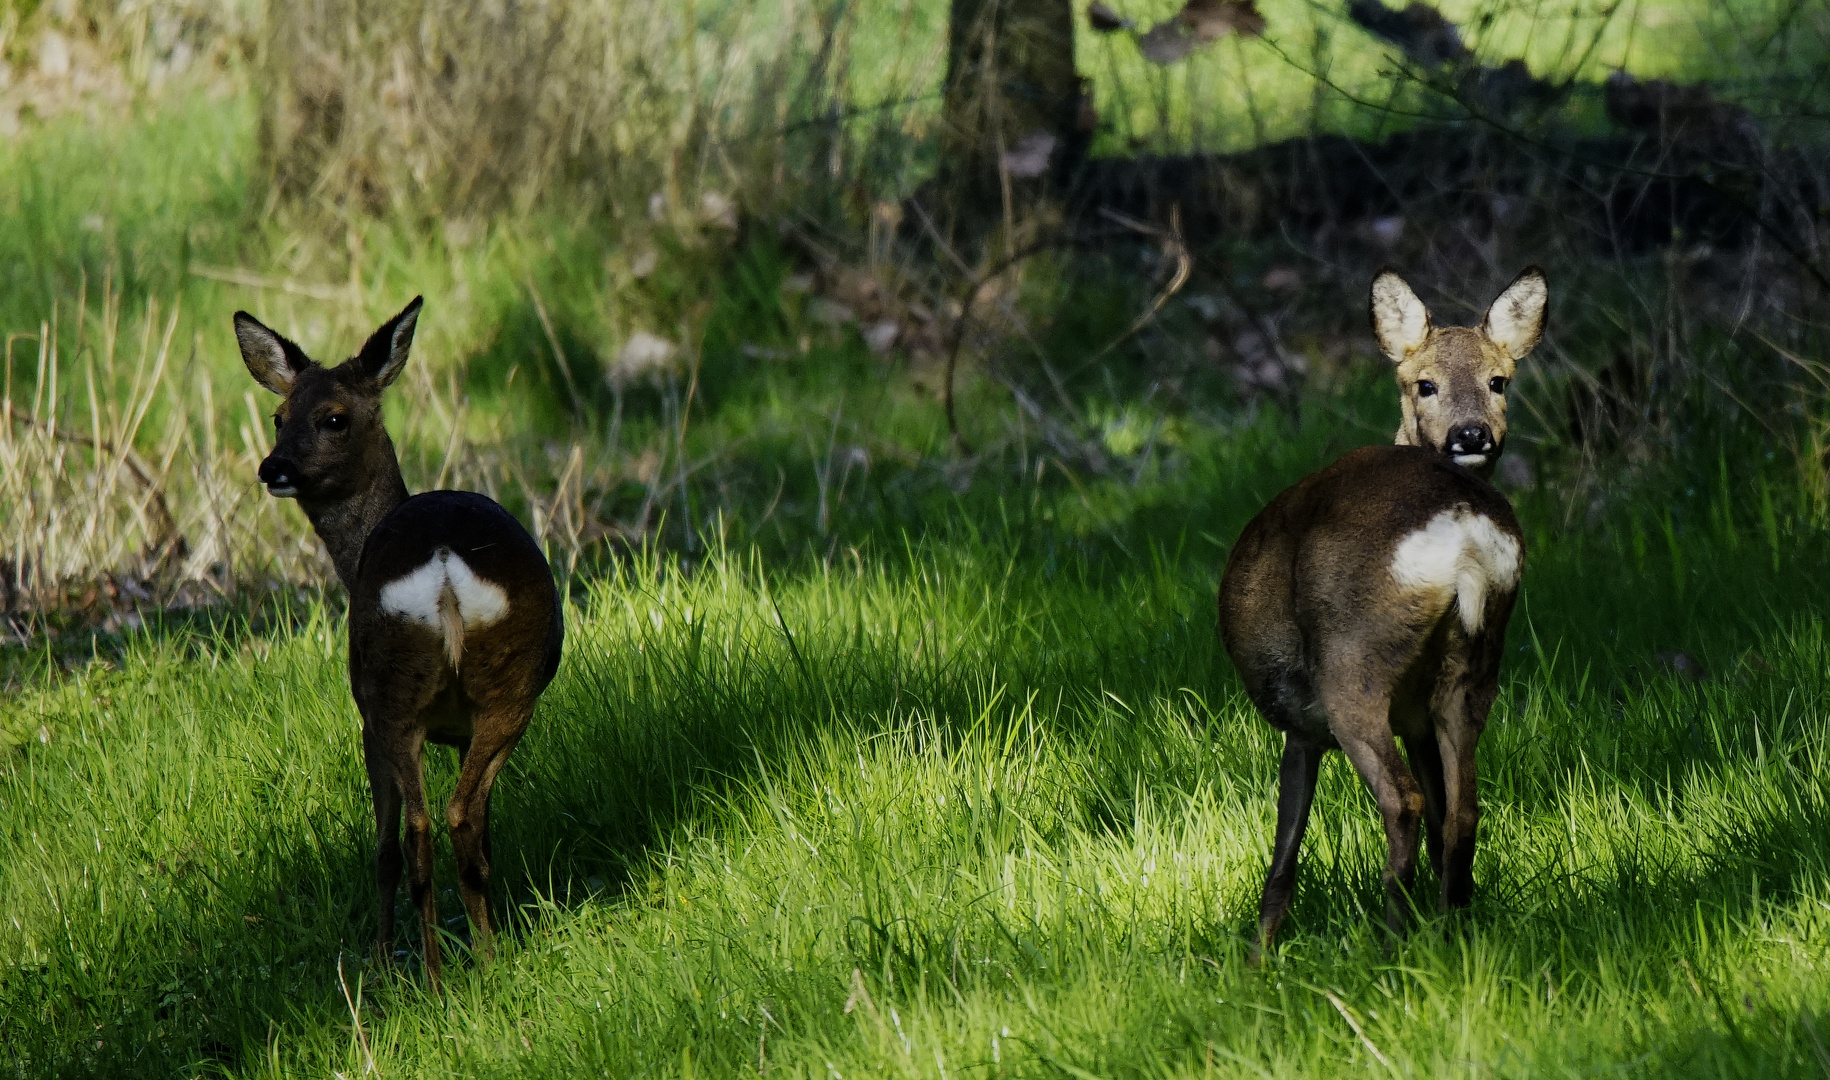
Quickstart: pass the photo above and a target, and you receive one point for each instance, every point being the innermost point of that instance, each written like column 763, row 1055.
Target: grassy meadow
column 980, row 802
column 871, row 755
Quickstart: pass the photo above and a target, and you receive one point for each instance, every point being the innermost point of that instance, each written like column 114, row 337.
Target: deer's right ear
column 1399, row 319
column 271, row 359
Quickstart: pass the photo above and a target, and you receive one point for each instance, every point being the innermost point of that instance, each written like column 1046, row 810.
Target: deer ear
column 1399, row 319
column 1515, row 322
column 384, row 354
column 271, row 358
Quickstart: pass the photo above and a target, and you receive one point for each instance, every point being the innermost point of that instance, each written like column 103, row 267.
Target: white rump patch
column 448, row 596
column 1459, row 553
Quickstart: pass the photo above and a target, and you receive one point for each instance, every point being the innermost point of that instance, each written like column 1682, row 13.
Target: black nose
column 277, row 472
column 1471, row 439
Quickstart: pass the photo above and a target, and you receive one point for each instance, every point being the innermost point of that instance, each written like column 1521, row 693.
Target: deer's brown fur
column 1368, row 603
column 454, row 623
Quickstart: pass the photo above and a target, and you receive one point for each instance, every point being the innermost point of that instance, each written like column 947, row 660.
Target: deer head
column 329, row 443
column 1452, row 379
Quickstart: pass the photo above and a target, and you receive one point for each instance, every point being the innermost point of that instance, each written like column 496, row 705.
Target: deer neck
column 344, row 523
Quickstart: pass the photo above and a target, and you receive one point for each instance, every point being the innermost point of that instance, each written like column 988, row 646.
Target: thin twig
column 251, row 280
column 552, row 339
column 451, row 444
column 1357, row 1029
column 355, row 1015
column 1175, row 246
column 1817, row 1044
column 963, row 325
column 1773, row 232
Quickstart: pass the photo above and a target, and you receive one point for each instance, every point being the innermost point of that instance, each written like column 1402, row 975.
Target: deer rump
column 458, row 585
column 1388, row 566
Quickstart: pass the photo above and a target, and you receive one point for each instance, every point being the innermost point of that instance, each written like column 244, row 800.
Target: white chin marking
column 1469, row 461
column 1459, row 555
column 468, row 602
column 283, row 492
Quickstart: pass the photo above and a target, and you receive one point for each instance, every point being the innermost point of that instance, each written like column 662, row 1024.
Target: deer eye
column 1425, row 388
column 335, row 422
column 278, row 421
column 1497, row 384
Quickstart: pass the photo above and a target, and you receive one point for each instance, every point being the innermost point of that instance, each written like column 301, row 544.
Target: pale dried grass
column 456, row 108
column 124, row 479
column 99, row 57
column 127, row 477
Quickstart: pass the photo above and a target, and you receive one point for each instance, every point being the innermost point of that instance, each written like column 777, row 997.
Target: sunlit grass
column 991, row 781
column 1315, row 70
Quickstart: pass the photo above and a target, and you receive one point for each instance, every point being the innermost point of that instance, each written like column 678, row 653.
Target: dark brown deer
column 1368, row 603
column 454, row 623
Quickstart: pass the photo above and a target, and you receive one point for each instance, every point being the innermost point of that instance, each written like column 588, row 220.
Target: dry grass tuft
column 127, row 478
column 126, row 489
column 98, row 58
column 474, row 108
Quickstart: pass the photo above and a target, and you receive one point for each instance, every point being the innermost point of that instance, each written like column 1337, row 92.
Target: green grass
column 128, row 202
column 1314, row 70
column 980, row 803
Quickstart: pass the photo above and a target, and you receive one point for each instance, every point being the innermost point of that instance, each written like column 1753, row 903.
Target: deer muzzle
column 280, row 476
column 1472, row 445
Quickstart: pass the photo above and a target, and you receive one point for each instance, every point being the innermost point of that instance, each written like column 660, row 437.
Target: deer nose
column 1471, row 439
column 276, row 472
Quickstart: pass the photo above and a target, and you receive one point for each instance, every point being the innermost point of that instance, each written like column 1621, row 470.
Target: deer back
column 1365, row 559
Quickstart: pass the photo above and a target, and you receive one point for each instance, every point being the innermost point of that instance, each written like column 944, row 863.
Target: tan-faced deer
column 1368, row 603
column 454, row 623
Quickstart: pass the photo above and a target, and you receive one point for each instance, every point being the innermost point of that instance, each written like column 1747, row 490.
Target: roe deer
column 1368, row 603
column 454, row 623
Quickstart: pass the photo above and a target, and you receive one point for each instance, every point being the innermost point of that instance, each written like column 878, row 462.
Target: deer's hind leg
column 405, row 758
column 1362, row 725
column 1461, row 705
column 385, row 793
column 396, row 681
column 498, row 729
column 1426, row 765
column 1295, row 794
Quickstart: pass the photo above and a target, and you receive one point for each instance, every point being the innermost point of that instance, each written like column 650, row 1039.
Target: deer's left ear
column 384, row 354
column 1515, row 322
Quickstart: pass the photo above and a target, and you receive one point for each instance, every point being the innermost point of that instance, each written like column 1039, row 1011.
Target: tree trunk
column 1011, row 103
